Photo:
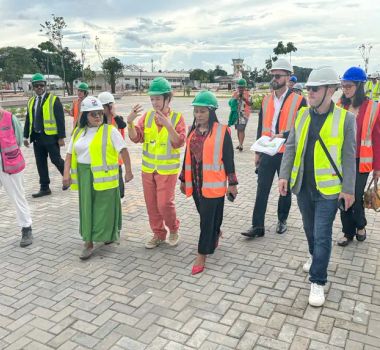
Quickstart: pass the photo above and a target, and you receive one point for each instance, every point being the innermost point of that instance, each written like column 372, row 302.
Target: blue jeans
column 318, row 215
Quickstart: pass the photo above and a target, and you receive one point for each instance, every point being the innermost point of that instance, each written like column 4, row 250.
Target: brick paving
column 252, row 295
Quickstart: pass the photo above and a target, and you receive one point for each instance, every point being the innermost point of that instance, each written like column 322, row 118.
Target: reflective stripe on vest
column 214, row 176
column 12, row 160
column 158, row 153
column 366, row 151
column 104, row 160
column 332, row 133
column 50, row 125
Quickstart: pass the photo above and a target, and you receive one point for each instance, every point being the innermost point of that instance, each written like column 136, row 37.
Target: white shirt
column 277, row 107
column 82, row 146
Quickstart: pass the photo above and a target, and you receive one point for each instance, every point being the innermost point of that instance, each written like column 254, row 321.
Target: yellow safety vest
column 50, row 124
column 372, row 90
column 104, row 160
column 158, row 153
column 332, row 134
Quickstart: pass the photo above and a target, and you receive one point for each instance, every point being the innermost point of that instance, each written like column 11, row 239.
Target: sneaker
column 154, row 242
column 173, row 239
column 27, row 237
column 317, row 295
column 307, row 264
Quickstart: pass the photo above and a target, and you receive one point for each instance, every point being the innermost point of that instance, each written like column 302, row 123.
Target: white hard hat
column 298, row 86
column 106, row 97
column 282, row 64
column 91, row 103
column 324, row 75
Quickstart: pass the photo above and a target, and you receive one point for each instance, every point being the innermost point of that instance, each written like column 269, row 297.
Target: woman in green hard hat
column 244, row 103
column 208, row 165
column 162, row 132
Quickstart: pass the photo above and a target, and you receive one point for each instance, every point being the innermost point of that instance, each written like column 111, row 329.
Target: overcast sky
column 200, row 34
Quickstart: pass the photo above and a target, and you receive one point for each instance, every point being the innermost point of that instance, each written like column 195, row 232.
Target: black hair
column 212, row 118
column 358, row 98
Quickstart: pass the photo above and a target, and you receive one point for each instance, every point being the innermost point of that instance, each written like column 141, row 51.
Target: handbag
column 371, row 197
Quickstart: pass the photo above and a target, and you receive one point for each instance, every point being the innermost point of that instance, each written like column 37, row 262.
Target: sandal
column 345, row 241
column 361, row 237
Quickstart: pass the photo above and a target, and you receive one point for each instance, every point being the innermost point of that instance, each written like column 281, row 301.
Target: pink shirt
column 180, row 129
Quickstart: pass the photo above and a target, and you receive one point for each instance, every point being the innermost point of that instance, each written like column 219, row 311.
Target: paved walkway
column 252, row 295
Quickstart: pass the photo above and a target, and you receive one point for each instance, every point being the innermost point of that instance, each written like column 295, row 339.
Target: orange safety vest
column 246, row 96
column 288, row 113
column 76, row 111
column 214, row 176
column 366, row 151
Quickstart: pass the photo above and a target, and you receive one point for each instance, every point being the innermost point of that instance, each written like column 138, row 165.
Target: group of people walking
column 331, row 148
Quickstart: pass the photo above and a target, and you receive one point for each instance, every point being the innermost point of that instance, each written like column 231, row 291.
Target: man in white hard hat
column 319, row 162
column 372, row 86
column 276, row 117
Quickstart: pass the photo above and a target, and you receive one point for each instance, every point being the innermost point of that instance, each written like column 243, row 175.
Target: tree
column 113, row 69
column 302, row 73
column 200, row 75
column 281, row 49
column 89, row 76
column 14, row 63
column 290, row 48
column 219, row 71
column 53, row 30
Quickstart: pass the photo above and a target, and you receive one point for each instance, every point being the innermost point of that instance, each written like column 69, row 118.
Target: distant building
column 132, row 80
column 53, row 82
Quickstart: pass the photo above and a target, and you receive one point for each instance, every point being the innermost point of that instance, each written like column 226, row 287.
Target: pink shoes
column 197, row 269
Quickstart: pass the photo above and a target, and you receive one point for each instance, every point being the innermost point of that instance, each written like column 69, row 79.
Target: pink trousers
column 159, row 192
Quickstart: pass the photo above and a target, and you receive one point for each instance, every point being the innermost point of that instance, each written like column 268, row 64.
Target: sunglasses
column 38, row 85
column 313, row 88
column 278, row 76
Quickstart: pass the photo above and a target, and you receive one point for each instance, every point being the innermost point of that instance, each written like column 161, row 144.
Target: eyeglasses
column 278, row 76
column 38, row 85
column 313, row 88
column 98, row 114
column 347, row 86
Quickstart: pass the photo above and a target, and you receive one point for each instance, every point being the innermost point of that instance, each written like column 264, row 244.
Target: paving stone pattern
column 252, row 295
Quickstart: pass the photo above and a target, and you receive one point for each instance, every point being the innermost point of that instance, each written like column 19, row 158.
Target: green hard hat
column 242, row 82
column 205, row 98
column 83, row 87
column 159, row 86
column 38, row 77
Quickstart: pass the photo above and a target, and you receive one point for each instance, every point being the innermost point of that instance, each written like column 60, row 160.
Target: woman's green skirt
column 99, row 211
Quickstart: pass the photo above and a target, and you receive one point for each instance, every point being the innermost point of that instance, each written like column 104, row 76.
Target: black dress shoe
column 281, row 227
column 361, row 237
column 254, row 232
column 41, row 193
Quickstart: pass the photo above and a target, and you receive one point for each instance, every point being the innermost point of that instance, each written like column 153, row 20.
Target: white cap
column 106, row 97
column 324, row 75
column 91, row 103
column 282, row 64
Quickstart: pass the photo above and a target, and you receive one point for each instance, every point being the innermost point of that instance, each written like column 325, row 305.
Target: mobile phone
column 341, row 204
column 230, row 197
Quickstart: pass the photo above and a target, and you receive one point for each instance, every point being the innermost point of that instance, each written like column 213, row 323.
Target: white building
column 132, row 80
column 53, row 82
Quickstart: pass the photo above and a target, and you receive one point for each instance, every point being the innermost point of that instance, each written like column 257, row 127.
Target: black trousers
column 354, row 218
column 269, row 165
column 211, row 214
column 41, row 152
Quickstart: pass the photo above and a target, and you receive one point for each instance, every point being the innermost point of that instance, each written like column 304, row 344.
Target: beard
column 276, row 85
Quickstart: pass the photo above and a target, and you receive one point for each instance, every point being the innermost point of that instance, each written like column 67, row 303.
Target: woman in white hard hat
column 111, row 118
column 91, row 166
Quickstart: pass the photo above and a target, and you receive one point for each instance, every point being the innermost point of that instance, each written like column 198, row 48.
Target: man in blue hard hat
column 292, row 81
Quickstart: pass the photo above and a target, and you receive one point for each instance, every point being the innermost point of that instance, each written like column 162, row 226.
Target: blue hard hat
column 293, row 78
column 355, row 74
